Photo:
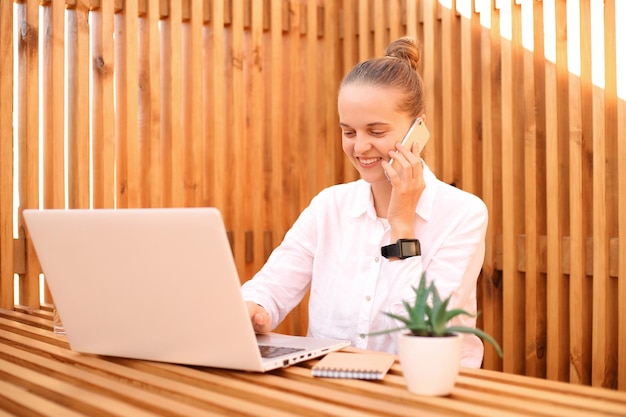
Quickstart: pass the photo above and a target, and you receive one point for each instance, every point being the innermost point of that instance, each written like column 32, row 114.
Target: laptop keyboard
column 268, row 351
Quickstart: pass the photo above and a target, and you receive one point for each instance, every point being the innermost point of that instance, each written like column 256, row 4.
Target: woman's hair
column 398, row 70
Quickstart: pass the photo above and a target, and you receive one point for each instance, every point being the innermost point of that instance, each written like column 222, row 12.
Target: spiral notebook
column 353, row 365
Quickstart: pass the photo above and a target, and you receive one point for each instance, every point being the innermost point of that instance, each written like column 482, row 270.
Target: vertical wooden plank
column 148, row 86
column 77, row 121
column 175, row 110
column 351, row 48
column 430, row 71
column 332, row 74
column 96, row 109
column 55, row 118
column 229, row 179
column 165, row 107
column 491, row 186
column 310, row 124
column 273, row 62
column 556, row 79
column 187, row 103
column 155, row 176
column 50, row 97
column 208, row 157
column 6, row 155
column 294, row 94
column 27, row 126
column 534, row 190
column 470, row 103
column 620, row 35
column 83, row 152
column 102, row 106
column 450, row 151
column 602, row 363
column 52, row 119
column 134, row 167
column 579, row 109
column 276, row 122
column 530, row 259
column 606, row 9
column 364, row 30
column 108, row 110
column 121, row 105
column 474, row 171
column 380, row 40
column 348, row 35
column 197, row 132
column 257, row 166
column 411, row 19
column 514, row 297
column 395, row 19
column 221, row 140
column 238, row 147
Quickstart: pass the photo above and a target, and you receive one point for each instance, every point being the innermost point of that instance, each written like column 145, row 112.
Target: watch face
column 409, row 248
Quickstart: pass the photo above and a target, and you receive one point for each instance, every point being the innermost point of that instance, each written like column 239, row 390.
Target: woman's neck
column 381, row 193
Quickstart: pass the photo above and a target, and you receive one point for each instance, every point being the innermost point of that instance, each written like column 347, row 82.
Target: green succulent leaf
column 438, row 316
column 378, row 333
column 479, row 333
column 405, row 320
column 458, row 311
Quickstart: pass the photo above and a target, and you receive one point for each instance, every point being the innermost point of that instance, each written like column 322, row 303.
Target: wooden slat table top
column 39, row 375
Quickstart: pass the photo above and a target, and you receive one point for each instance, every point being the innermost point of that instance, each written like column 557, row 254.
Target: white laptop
column 155, row 284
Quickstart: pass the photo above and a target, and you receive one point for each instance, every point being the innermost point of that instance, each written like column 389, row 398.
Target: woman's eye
column 348, row 133
column 376, row 133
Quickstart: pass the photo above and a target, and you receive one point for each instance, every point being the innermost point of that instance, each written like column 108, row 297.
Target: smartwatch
column 402, row 249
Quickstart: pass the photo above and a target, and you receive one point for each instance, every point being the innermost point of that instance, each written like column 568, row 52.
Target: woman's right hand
column 260, row 318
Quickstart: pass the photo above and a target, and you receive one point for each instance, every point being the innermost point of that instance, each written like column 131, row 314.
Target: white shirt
column 334, row 248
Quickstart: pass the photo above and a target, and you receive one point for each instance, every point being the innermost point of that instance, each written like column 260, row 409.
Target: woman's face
column 371, row 126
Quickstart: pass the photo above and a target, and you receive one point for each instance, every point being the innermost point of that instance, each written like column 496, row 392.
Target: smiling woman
column 362, row 246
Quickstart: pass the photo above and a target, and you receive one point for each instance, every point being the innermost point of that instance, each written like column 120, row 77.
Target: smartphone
column 418, row 132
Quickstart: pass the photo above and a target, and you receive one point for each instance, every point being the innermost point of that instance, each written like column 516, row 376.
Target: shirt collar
column 364, row 202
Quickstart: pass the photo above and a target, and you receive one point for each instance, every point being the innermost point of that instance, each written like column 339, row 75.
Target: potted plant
column 430, row 348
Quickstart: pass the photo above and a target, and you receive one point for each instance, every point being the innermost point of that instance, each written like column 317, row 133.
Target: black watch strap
column 402, row 249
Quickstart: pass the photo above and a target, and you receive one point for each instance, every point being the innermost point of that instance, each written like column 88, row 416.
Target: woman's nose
column 361, row 143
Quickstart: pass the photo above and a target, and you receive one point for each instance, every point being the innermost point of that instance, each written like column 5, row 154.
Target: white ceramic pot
column 430, row 364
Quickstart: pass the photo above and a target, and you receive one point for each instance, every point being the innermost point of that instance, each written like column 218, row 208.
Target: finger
column 261, row 322
column 402, row 164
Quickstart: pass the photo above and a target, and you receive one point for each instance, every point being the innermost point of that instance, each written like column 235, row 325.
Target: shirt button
column 377, row 259
column 367, row 298
column 362, row 336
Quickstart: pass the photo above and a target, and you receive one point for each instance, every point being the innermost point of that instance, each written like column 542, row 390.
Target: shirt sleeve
column 286, row 276
column 456, row 261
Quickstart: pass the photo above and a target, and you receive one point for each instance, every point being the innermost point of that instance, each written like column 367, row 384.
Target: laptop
column 157, row 284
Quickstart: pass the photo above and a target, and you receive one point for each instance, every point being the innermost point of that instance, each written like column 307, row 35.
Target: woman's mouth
column 368, row 161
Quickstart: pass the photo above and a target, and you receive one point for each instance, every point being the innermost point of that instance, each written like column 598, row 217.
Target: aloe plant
column 426, row 319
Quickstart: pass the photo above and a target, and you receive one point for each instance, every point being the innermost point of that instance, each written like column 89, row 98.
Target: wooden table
column 39, row 375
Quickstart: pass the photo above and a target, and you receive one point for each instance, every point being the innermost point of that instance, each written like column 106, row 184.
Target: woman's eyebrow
column 368, row 125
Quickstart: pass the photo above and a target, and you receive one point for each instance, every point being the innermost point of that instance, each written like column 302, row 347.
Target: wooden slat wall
column 159, row 103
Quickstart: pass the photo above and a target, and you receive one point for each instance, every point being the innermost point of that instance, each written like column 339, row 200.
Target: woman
column 334, row 248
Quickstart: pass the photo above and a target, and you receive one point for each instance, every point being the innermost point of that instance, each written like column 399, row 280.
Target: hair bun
column 407, row 50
